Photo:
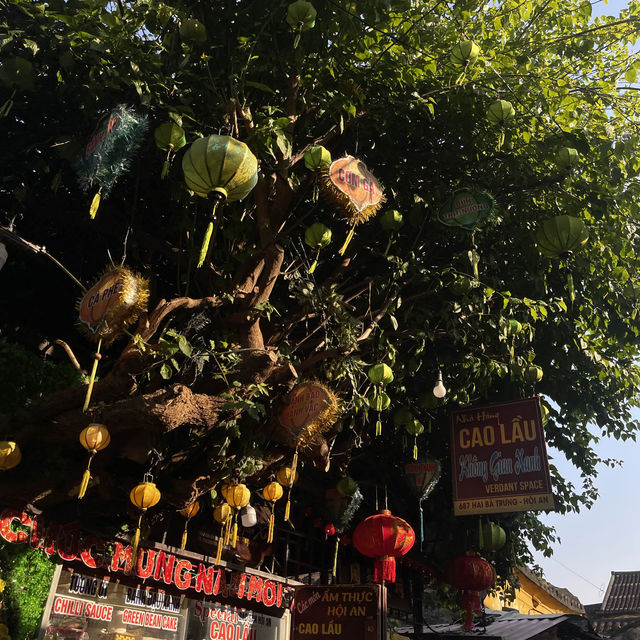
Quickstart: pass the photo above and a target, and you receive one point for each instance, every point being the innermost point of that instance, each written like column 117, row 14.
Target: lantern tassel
column 86, row 477
column 95, row 203
column 207, row 236
column 220, row 542
column 183, row 542
column 234, row 531
column 227, row 530
column 415, row 448
column 347, row 241
column 135, row 541
column 378, row 426
column 570, row 287
column 384, row 569
column 165, row 166
column 92, row 378
column 334, row 568
column 296, row 40
column 294, row 466
column 314, row 264
column 272, row 522
column 470, row 604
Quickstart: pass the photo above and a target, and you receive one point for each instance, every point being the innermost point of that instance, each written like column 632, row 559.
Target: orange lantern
column 272, row 493
column 237, row 496
column 221, row 514
column 384, row 537
column 188, row 512
column 144, row 496
column 287, row 477
column 93, row 438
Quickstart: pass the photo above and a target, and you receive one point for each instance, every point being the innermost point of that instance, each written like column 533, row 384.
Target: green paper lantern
column 533, row 374
column 559, row 237
column 500, row 112
column 192, row 30
column 544, row 413
column 169, row 136
column 514, row 327
column 378, row 401
column 317, row 236
column 391, row 220
column 466, row 208
column 464, row 53
column 380, row 374
column 221, row 168
column 301, row 15
column 567, row 158
column 492, row 537
column 316, row 158
column 402, row 416
column 414, row 427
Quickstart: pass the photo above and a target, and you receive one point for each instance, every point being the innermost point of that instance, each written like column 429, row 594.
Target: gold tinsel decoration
column 113, row 303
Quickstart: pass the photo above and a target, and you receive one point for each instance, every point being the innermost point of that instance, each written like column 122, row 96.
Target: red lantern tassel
column 384, row 569
column 470, row 604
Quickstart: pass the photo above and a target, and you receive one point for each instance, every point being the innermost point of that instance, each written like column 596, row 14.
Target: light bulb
column 248, row 517
column 439, row 390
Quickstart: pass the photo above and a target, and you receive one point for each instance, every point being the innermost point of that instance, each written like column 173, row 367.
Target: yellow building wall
column 529, row 591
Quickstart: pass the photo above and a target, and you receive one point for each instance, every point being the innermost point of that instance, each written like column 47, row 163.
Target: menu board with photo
column 94, row 608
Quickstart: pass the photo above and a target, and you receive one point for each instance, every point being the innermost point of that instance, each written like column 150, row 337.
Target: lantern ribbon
column 220, row 542
column 347, row 241
column 217, row 196
column 135, row 541
column 92, row 378
column 86, row 476
column 384, row 569
column 294, row 466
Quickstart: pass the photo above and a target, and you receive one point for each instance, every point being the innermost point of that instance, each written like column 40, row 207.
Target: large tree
column 193, row 394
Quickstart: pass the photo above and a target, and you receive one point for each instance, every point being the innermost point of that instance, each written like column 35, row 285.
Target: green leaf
column 165, row 371
column 184, row 346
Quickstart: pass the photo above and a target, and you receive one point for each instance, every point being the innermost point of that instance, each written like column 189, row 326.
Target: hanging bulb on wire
column 439, row 390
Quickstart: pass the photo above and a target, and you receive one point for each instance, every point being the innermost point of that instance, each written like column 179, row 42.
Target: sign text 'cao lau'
column 499, row 459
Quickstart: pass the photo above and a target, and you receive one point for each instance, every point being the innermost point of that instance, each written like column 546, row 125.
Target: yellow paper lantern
column 93, row 438
column 188, row 513
column 222, row 514
column 237, row 496
column 144, row 496
column 286, row 477
column 272, row 493
column 10, row 455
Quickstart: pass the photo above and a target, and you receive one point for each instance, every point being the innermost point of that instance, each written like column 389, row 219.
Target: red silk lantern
column 384, row 537
column 471, row 575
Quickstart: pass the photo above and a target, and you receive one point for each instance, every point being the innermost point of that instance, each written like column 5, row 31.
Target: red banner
column 499, row 459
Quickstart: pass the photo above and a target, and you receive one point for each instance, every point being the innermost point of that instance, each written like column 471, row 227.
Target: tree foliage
column 207, row 368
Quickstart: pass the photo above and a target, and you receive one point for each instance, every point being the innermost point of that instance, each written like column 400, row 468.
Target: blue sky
column 605, row 538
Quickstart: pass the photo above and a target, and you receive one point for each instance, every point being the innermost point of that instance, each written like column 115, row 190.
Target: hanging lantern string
column 92, row 378
column 86, row 476
column 217, row 197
